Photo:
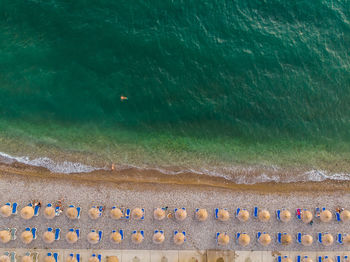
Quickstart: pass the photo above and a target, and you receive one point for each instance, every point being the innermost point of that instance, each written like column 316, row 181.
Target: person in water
column 122, row 98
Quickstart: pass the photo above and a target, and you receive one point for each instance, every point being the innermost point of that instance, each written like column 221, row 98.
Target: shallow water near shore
column 251, row 92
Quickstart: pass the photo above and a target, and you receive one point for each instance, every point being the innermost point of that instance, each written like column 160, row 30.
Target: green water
column 209, row 83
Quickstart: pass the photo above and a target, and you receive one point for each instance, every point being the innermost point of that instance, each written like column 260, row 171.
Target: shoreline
column 145, row 179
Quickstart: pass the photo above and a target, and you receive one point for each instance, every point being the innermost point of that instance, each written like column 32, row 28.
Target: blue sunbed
column 299, row 237
column 57, row 233
column 255, row 212
column 279, row 237
column 338, row 259
column 158, row 231
column 278, row 214
column 340, row 238
column 279, row 259
column 14, row 208
column 337, row 215
column 319, row 237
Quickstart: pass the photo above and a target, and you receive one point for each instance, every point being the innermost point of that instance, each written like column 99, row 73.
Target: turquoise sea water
column 211, row 85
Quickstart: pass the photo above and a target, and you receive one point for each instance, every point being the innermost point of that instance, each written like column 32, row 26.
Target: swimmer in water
column 122, row 98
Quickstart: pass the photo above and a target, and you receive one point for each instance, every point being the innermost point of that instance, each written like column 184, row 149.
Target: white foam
column 65, row 167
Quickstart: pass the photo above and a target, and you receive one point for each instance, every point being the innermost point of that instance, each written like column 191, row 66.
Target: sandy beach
column 23, row 184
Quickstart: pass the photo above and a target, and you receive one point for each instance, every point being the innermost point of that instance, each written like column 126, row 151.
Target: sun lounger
column 319, row 237
column 11, row 255
column 255, row 213
column 121, row 232
column 237, row 211
column 279, row 237
column 278, row 214
column 338, row 259
column 299, row 237
column 340, row 238
column 337, row 215
column 57, row 233
column 13, row 233
column 319, row 259
column 77, row 256
column 158, row 231
column 13, row 206
column 55, row 255
column 279, row 258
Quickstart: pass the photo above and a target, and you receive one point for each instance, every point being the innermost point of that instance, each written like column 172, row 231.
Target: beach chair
column 256, row 211
column 319, row 237
column 100, row 232
column 337, row 216
column 340, row 238
column 121, row 232
column 13, row 231
column 299, row 237
column 183, row 232
column 77, row 256
column 78, row 209
column 77, row 231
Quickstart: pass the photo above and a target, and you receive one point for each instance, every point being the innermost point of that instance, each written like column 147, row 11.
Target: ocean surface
column 220, row 88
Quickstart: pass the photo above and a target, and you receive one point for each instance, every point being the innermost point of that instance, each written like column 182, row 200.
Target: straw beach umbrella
column 49, row 212
column 112, row 259
column 285, row 216
column 327, row 239
column 180, row 214
column 137, row 213
column 202, row 214
column 158, row 238
column 72, row 213
column 71, row 259
column 306, row 216
column 159, row 214
column 5, row 236
column 71, row 237
column 244, row 240
column 328, row 259
column 286, row 239
column 94, row 213
column 326, row 216
column 345, row 215
column 137, row 238
column 49, row 259
column 48, row 237
column 27, row 212
column 223, row 215
column 223, row 239
column 116, row 237
column 179, row 238
column 27, row 237
column 93, row 259
column 243, row 215
column 5, row 211
column 264, row 215
column 265, row 239
column 27, row 259
column 306, row 259
column 306, row 240
column 346, row 240
column 4, row 258
column 116, row 213
column 93, row 238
